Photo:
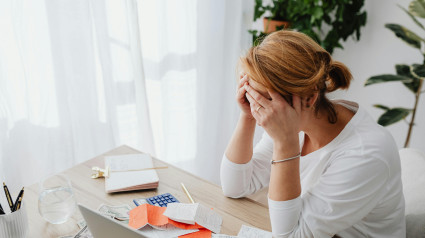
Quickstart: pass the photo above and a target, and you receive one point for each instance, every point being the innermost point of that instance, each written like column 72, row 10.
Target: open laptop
column 105, row 227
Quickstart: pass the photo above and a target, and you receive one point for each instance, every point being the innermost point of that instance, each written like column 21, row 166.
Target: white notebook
column 130, row 180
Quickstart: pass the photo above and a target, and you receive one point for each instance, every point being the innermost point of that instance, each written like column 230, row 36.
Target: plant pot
column 272, row 25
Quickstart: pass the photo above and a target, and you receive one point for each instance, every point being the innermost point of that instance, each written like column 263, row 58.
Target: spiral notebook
column 120, row 179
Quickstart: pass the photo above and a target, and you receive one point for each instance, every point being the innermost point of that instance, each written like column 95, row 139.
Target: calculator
column 161, row 200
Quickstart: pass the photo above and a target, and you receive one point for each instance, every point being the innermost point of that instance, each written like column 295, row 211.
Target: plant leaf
column 393, row 115
column 419, row 70
column 411, row 16
column 380, row 106
column 406, row 35
column 404, row 70
column 259, row 10
column 417, row 8
column 317, row 14
column 387, row 78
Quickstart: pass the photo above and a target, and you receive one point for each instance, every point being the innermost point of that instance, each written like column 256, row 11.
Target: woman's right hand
column 241, row 98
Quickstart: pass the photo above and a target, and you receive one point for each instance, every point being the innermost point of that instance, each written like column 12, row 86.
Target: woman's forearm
column 285, row 176
column 240, row 147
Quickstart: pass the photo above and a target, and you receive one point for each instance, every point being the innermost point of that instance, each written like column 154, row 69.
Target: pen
column 1, row 210
column 18, row 201
column 187, row 193
column 9, row 198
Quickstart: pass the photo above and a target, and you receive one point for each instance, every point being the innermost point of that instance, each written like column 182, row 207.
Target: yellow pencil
column 187, row 193
column 129, row 170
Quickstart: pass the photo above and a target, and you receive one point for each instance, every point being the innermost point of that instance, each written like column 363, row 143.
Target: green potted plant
column 411, row 76
column 344, row 18
column 279, row 14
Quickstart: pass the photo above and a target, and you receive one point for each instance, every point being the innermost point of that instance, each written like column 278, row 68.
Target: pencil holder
column 14, row 224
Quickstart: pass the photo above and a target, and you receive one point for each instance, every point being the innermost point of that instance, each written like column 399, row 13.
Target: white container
column 15, row 224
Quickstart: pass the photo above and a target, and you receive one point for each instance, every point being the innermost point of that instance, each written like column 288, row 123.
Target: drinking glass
column 56, row 201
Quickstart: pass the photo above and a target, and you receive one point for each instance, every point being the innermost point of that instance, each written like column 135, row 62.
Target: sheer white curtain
column 190, row 50
column 71, row 85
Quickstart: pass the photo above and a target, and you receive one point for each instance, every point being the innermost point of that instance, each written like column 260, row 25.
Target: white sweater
column 350, row 187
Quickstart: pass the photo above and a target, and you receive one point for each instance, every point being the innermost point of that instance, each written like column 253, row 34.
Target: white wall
column 377, row 53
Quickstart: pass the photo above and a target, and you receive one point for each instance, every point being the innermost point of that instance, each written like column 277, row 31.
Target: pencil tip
column 4, row 184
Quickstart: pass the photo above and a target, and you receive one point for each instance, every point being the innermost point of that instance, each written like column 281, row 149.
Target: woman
column 331, row 170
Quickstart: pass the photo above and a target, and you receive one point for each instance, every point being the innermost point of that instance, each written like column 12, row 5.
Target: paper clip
column 100, row 173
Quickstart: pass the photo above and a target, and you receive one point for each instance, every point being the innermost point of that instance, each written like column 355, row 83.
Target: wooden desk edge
column 94, row 162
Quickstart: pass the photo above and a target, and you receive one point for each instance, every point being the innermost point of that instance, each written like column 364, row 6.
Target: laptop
column 105, row 227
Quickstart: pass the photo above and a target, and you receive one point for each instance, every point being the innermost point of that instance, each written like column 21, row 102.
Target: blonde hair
column 292, row 63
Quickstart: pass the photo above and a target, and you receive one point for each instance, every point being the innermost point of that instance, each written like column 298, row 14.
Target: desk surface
column 91, row 192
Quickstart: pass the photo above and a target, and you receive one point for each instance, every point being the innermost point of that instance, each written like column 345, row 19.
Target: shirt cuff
column 284, row 205
column 232, row 165
column 284, row 216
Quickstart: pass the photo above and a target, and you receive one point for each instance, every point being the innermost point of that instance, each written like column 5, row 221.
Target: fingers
column 241, row 93
column 273, row 94
column 250, row 99
column 241, row 74
column 256, row 116
column 257, row 96
column 242, row 81
column 254, row 106
column 276, row 96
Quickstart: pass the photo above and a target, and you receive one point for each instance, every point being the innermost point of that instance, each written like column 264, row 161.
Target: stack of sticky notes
column 177, row 219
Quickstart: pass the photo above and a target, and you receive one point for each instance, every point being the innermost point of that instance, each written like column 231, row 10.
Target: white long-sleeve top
column 350, row 187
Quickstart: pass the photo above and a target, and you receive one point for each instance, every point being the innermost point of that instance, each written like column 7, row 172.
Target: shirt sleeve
column 346, row 192
column 240, row 180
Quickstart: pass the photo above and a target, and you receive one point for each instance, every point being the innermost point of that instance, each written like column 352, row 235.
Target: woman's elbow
column 232, row 181
column 230, row 192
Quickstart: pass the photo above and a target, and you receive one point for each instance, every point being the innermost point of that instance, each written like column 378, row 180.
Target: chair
column 413, row 178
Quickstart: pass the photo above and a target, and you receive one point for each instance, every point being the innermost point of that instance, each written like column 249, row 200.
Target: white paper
column 209, row 219
column 191, row 213
column 122, row 180
column 222, row 236
column 169, row 231
column 182, row 212
column 251, row 232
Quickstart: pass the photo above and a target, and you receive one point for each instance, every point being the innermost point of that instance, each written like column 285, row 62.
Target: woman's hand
column 241, row 98
column 276, row 116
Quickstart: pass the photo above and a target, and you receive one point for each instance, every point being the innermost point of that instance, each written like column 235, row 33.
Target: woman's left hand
column 280, row 120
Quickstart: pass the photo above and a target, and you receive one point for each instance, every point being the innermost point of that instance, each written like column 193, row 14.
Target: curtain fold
column 71, row 85
column 78, row 78
column 190, row 50
column 221, row 42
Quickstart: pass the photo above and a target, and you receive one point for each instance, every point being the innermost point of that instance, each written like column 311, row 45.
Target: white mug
column 15, row 224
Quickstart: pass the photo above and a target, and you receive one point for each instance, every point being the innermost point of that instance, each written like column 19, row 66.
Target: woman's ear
column 310, row 100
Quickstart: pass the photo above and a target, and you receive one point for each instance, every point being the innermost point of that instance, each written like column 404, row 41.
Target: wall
column 377, row 53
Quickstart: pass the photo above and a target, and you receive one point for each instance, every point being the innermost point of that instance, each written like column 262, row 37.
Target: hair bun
column 339, row 76
column 319, row 78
